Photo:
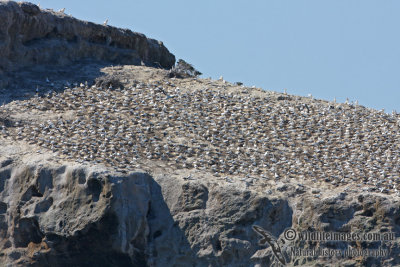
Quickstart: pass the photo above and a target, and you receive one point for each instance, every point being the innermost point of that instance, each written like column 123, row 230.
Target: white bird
column 105, row 22
column 61, row 10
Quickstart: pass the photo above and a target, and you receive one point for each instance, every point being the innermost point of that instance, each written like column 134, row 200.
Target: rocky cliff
column 74, row 215
column 145, row 169
column 30, row 36
column 36, row 40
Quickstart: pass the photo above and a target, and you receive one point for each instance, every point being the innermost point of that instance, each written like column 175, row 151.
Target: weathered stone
column 80, row 216
column 75, row 219
column 30, row 8
column 54, row 212
column 30, row 36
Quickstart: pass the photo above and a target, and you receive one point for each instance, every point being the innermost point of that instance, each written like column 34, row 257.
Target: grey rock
column 30, row 9
column 30, row 36
column 182, row 69
column 74, row 219
column 56, row 213
column 92, row 216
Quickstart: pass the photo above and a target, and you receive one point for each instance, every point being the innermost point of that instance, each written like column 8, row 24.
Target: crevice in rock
column 4, row 175
column 157, row 234
column 94, row 188
column 44, row 205
column 32, row 191
column 26, row 231
column 3, row 207
column 218, row 246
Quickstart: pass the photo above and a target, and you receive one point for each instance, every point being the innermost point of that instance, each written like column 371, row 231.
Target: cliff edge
column 141, row 168
column 34, row 42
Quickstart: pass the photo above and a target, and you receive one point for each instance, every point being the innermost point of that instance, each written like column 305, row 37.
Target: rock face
column 56, row 212
column 31, row 36
column 73, row 215
column 64, row 207
column 70, row 216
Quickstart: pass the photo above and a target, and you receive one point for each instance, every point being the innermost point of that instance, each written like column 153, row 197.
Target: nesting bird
column 223, row 132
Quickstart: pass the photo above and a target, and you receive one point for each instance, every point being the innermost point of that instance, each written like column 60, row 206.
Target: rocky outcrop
column 61, row 204
column 31, row 36
column 74, row 215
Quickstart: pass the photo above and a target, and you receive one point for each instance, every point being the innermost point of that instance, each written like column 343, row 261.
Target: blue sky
column 331, row 48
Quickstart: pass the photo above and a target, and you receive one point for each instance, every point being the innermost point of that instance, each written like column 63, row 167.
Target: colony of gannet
column 221, row 132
